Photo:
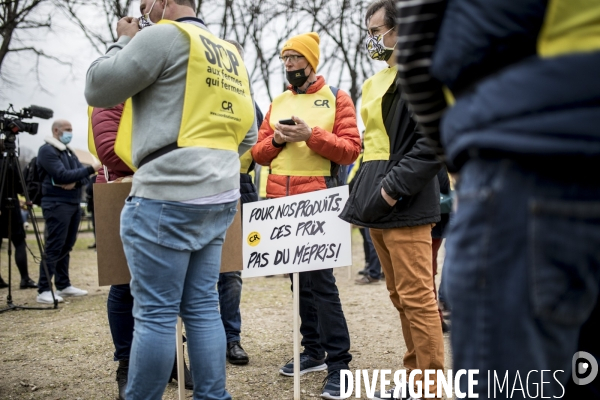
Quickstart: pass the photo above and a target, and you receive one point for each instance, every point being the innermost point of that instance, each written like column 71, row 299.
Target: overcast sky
column 63, row 85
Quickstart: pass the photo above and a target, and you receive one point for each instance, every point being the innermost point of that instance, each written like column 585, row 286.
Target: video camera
column 15, row 124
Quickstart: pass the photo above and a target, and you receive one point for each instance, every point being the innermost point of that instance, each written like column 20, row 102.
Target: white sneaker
column 46, row 297
column 72, row 291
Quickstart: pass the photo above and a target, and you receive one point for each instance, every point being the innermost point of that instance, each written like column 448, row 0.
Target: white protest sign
column 296, row 233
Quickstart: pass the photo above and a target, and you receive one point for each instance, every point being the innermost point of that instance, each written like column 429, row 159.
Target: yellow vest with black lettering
column 570, row 26
column 376, row 139
column 218, row 110
column 316, row 109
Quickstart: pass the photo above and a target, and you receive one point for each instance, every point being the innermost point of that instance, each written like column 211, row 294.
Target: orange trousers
column 406, row 259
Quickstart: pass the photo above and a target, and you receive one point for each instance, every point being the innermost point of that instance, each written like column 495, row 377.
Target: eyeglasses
column 292, row 58
column 370, row 30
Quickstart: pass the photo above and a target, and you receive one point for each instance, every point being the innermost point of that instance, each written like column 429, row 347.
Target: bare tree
column 17, row 18
column 103, row 34
column 342, row 23
column 265, row 25
column 262, row 27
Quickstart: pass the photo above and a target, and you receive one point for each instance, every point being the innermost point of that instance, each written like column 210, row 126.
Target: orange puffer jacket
column 342, row 146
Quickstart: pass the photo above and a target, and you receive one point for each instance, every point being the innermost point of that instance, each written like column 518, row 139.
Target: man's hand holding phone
column 292, row 130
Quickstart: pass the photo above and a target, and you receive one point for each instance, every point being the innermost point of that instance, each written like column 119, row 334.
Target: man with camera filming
column 193, row 116
column 63, row 179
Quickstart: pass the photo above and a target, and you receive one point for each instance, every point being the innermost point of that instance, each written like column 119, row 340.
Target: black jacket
column 412, row 180
column 438, row 230
column 61, row 166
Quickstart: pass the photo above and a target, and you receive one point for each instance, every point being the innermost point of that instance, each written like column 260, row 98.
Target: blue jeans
column 522, row 270
column 323, row 325
column 174, row 255
column 230, row 294
column 62, row 223
column 120, row 319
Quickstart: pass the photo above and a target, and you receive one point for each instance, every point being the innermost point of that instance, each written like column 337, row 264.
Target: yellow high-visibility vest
column 123, row 139
column 245, row 162
column 125, row 123
column 264, row 177
column 355, row 167
column 218, row 109
column 316, row 109
column 376, row 139
column 570, row 26
column 91, row 143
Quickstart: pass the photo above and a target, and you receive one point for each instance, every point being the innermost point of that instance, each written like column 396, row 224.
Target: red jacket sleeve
column 263, row 151
column 105, row 124
column 343, row 147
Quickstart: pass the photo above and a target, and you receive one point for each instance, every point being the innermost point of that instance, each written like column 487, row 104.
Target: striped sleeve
column 418, row 24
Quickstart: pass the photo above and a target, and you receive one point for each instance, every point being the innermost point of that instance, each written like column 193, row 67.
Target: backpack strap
column 334, row 90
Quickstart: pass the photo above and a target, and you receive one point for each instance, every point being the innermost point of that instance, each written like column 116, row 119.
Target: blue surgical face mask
column 66, row 137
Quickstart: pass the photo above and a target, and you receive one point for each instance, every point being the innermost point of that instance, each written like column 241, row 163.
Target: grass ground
column 67, row 353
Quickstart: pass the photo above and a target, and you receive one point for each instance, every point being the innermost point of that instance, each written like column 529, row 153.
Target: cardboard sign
column 109, row 199
column 296, row 233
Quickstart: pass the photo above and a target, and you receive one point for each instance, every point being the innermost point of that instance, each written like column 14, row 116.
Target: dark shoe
column 3, row 284
column 236, row 354
column 189, row 383
column 122, row 372
column 364, row 271
column 307, row 364
column 28, row 283
column 92, row 246
column 365, row 280
column 331, row 387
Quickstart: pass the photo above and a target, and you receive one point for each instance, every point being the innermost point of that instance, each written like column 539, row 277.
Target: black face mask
column 296, row 78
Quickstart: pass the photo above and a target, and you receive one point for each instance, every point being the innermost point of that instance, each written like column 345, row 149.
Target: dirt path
column 67, row 353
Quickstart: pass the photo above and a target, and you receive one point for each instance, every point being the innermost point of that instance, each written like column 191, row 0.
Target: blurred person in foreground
column 306, row 157
column 522, row 263
column 186, row 186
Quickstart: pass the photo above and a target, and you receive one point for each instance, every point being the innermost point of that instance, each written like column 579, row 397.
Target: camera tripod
column 11, row 162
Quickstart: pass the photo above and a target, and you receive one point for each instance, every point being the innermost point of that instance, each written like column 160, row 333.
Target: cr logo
column 581, row 363
column 322, row 103
column 253, row 239
column 227, row 106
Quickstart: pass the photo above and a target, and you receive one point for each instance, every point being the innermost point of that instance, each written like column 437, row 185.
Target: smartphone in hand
column 287, row 122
